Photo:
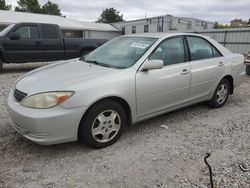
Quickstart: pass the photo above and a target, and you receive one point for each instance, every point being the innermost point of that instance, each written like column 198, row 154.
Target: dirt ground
column 147, row 155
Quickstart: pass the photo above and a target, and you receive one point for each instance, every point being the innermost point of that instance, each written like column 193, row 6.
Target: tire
column 1, row 65
column 221, row 94
column 248, row 69
column 97, row 129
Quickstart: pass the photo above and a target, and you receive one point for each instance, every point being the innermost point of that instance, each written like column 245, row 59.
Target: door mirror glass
column 153, row 64
column 14, row 36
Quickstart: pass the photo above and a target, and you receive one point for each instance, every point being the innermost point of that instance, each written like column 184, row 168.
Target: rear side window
column 171, row 51
column 28, row 32
column 49, row 31
column 201, row 49
column 216, row 52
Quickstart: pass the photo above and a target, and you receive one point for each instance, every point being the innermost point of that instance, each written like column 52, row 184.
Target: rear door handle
column 221, row 64
column 184, row 71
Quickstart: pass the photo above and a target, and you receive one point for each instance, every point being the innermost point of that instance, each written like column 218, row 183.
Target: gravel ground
column 147, row 155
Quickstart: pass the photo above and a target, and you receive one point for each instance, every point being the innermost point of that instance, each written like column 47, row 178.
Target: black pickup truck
column 34, row 42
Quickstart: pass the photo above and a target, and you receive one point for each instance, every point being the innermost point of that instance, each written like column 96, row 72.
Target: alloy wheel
column 222, row 93
column 106, row 126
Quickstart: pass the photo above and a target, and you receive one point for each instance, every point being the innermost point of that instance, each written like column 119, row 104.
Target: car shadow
column 22, row 146
column 170, row 117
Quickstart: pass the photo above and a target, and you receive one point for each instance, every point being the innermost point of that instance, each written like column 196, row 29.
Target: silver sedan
column 127, row 80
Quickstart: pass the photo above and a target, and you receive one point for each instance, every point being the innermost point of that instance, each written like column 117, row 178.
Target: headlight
column 47, row 100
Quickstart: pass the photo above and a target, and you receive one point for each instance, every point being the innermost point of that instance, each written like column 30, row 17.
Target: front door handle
column 184, row 71
column 221, row 64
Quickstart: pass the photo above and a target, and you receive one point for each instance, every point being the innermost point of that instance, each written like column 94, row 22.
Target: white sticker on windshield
column 139, row 45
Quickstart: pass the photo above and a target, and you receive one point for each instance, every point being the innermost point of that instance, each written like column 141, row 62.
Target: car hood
column 61, row 75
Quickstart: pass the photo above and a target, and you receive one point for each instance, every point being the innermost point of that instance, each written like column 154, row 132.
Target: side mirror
column 153, row 64
column 14, row 36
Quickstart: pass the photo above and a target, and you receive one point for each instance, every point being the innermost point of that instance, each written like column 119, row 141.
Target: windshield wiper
column 97, row 63
column 82, row 58
column 102, row 64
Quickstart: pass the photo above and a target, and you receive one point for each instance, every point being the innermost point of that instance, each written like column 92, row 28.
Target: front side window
column 171, row 51
column 122, row 52
column 199, row 48
column 29, row 32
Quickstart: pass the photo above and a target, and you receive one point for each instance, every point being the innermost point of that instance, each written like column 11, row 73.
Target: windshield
column 122, row 52
column 6, row 30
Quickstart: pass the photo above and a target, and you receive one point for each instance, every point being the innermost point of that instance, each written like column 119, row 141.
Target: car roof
column 160, row 35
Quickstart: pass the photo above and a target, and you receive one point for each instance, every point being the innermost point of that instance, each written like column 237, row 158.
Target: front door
column 25, row 49
column 160, row 89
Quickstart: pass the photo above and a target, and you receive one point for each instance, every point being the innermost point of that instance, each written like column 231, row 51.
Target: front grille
column 19, row 96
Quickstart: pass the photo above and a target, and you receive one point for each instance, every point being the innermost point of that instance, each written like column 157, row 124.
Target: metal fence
column 236, row 40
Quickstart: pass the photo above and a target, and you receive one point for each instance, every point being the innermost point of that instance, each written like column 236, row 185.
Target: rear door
column 27, row 47
column 160, row 89
column 207, row 67
column 52, row 47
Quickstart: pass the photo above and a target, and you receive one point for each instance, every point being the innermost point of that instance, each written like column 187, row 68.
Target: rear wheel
column 221, row 94
column 248, row 69
column 103, row 124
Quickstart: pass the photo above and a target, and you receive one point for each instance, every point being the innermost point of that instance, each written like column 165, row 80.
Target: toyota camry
column 129, row 79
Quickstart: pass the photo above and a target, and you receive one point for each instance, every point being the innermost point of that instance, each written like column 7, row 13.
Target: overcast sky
column 212, row 10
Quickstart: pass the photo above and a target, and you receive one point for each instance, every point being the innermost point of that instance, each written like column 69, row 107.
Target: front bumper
column 45, row 126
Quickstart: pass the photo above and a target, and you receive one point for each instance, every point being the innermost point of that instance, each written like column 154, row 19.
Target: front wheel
column 103, row 124
column 221, row 94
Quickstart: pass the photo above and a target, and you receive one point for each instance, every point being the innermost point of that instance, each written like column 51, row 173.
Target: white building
column 162, row 24
column 73, row 28
column 70, row 28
